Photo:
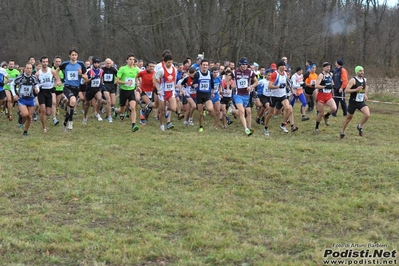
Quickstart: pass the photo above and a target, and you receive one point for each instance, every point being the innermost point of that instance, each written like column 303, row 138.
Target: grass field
column 102, row 195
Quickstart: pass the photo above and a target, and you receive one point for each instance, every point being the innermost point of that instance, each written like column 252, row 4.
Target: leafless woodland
column 361, row 32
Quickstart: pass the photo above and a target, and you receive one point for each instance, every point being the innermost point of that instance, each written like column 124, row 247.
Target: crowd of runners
column 162, row 89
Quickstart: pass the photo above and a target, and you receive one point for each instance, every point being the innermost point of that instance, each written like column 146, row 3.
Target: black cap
column 298, row 68
column 280, row 63
column 340, row 62
column 95, row 60
column 326, row 64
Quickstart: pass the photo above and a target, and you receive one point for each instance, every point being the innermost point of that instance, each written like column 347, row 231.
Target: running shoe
column 266, row 132
column 341, row 135
column 110, row 119
column 360, row 131
column 55, row 121
column 70, row 125
column 143, row 122
column 162, row 127
column 248, row 132
column 201, row 129
column 142, row 114
column 169, row 125
column 284, row 129
column 135, row 128
column 294, row 128
column 185, row 123
column 34, row 117
column 316, row 131
column 84, row 121
column 326, row 121
column 257, row 120
column 305, row 118
column 25, row 133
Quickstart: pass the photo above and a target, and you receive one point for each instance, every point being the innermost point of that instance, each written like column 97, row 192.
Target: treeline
column 356, row 31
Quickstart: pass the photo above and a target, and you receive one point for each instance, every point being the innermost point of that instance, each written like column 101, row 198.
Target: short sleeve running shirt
column 127, row 74
column 71, row 72
column 12, row 74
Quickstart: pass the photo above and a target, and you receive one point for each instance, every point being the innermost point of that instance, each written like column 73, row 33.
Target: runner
column 165, row 82
column 189, row 97
column 27, row 84
column 93, row 94
column 277, row 85
column 324, row 85
column 146, row 88
column 74, row 72
column 12, row 73
column 58, row 91
column 3, row 80
column 203, row 83
column 215, row 96
column 226, row 92
column 46, row 77
column 358, row 89
column 127, row 78
column 246, row 81
column 297, row 92
column 109, row 88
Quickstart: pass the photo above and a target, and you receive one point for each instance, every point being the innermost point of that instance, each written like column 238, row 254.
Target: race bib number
column 204, row 86
column 108, row 77
column 360, row 97
column 130, row 80
column 149, row 94
column 192, row 90
column 95, row 83
column 313, row 82
column 82, row 82
column 282, row 85
column 225, row 94
column 25, row 91
column 169, row 86
column 326, row 90
column 242, row 83
column 73, row 75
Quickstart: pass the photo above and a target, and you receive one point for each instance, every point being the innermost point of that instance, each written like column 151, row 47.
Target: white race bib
column 149, row 94
column 95, row 83
column 242, row 83
column 326, row 90
column 359, row 97
column 169, row 86
column 25, row 91
column 133, row 82
column 108, row 77
column 72, row 75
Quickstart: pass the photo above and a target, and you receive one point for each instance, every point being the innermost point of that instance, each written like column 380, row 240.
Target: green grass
column 102, row 195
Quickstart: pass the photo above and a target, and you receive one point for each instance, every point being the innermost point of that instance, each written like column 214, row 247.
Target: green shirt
column 127, row 73
column 12, row 74
column 61, row 87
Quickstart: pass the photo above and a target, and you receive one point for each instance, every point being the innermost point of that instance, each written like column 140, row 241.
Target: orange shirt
column 311, row 80
column 146, row 80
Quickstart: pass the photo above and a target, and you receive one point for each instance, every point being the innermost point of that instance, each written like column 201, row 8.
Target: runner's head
column 44, row 61
column 28, row 69
column 96, row 62
column 326, row 67
column 57, row 61
column 150, row 66
column 204, row 65
column 108, row 63
column 281, row 65
column 73, row 54
column 11, row 64
column 359, row 70
column 130, row 60
column 243, row 63
column 168, row 59
column 313, row 68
